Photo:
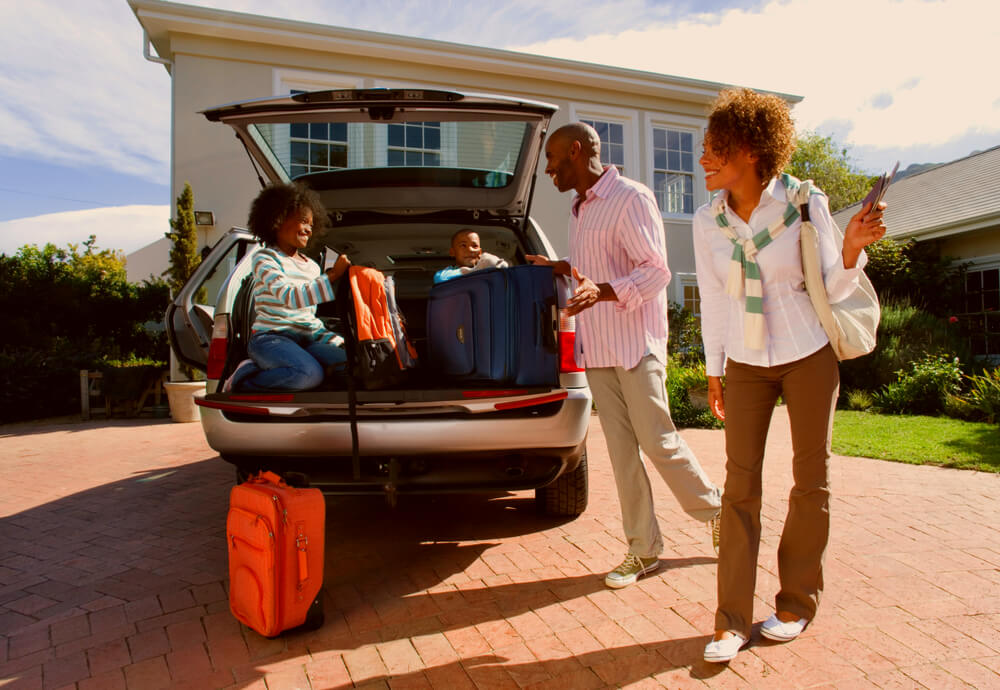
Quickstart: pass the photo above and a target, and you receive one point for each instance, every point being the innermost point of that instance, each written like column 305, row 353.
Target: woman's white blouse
column 793, row 329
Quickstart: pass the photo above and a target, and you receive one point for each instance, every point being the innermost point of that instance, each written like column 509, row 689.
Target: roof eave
column 161, row 19
column 941, row 231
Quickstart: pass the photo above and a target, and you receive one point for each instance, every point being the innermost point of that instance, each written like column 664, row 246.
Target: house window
column 415, row 144
column 982, row 310
column 692, row 300
column 317, row 147
column 612, row 136
column 673, row 170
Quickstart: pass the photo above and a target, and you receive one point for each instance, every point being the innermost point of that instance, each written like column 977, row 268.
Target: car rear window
column 432, row 153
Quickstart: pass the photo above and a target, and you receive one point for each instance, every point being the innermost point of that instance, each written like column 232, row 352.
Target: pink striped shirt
column 616, row 237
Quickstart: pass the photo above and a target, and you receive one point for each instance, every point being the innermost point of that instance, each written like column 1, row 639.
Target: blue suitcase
column 496, row 326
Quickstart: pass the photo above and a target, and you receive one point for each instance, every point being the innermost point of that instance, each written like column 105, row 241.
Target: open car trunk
column 411, row 252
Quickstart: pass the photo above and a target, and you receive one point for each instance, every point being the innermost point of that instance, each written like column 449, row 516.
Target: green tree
column 826, row 163
column 66, row 310
column 183, row 236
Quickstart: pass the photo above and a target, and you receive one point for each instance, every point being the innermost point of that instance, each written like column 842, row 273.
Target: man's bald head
column 573, row 157
column 590, row 143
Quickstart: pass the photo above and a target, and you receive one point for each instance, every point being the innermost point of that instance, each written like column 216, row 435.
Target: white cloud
column 75, row 89
column 126, row 228
column 906, row 75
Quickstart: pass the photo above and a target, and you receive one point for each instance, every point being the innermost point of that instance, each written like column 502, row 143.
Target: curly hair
column 276, row 203
column 758, row 122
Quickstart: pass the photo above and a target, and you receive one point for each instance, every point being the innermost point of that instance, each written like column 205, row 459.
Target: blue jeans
column 287, row 362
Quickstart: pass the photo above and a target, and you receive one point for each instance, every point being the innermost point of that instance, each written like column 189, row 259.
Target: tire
column 567, row 495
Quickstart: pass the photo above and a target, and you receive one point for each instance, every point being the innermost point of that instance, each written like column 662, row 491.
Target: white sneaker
column 721, row 651
column 241, row 367
column 776, row 629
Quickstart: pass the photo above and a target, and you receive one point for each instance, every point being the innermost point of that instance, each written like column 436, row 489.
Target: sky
column 86, row 119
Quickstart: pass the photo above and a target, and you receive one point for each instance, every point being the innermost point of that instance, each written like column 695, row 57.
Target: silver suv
column 399, row 171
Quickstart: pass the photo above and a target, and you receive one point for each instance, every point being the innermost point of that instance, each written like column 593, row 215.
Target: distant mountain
column 915, row 168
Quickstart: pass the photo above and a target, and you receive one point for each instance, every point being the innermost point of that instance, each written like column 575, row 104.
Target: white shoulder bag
column 850, row 324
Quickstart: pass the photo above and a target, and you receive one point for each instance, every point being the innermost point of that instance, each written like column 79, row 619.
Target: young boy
column 468, row 255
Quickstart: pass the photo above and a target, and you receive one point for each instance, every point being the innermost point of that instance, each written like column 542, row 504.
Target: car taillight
column 567, row 342
column 217, row 348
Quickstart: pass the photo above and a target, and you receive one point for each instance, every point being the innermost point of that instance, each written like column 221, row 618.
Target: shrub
column 685, row 335
column 922, row 390
column 64, row 310
column 681, row 380
column 982, row 402
column 906, row 334
column 916, row 273
column 859, row 400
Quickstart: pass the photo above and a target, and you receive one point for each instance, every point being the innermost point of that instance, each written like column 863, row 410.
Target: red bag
column 383, row 355
column 275, row 535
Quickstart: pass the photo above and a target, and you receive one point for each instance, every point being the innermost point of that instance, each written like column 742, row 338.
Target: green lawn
column 918, row 440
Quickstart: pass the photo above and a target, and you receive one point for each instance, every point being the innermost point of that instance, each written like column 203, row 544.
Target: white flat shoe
column 721, row 651
column 775, row 629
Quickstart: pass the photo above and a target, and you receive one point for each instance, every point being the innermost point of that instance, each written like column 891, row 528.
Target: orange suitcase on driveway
column 275, row 534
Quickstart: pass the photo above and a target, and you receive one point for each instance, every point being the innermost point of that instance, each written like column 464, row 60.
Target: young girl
column 289, row 348
column 761, row 331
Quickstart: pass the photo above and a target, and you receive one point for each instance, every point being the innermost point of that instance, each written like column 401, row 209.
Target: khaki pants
column 634, row 413
column 809, row 388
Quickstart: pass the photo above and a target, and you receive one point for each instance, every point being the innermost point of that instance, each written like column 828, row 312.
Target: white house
column 651, row 125
column 956, row 206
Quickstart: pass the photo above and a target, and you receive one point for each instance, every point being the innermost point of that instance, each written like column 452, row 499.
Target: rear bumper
column 557, row 434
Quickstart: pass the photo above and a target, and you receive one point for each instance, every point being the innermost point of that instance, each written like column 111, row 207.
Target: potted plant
column 184, row 259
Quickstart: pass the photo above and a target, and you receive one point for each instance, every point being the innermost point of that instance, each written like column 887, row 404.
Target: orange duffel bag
column 275, row 534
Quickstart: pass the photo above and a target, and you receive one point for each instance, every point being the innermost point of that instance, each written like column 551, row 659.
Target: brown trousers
column 809, row 388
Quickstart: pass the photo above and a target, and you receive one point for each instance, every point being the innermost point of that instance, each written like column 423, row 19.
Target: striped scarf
column 743, row 279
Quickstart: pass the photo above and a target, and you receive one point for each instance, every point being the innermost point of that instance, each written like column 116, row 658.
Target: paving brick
column 110, row 656
column 113, row 680
column 150, row 674
column 149, row 644
column 65, row 670
column 329, row 672
column 28, row 643
column 364, row 664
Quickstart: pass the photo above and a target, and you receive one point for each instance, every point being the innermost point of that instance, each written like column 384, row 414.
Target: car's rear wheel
column 568, row 494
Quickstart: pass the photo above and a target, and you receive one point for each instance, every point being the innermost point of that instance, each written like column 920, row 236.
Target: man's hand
column 866, row 226
column 715, row 404
column 560, row 268
column 338, row 268
column 586, row 295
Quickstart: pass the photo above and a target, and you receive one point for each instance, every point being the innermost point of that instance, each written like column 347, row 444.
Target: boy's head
column 276, row 203
column 465, row 248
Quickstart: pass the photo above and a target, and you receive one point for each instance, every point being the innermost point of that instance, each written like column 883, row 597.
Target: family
column 762, row 340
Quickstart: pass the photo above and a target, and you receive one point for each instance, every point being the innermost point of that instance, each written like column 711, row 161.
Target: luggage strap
column 345, row 303
column 301, row 542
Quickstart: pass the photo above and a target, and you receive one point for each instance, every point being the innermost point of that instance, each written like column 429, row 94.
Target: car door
column 190, row 317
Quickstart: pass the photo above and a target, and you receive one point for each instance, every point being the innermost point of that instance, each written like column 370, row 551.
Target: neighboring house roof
column 952, row 198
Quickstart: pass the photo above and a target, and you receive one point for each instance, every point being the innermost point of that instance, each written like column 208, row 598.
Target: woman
column 758, row 323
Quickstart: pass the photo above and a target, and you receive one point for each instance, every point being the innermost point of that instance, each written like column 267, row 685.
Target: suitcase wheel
column 315, row 617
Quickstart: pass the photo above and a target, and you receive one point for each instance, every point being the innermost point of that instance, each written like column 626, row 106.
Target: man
column 618, row 258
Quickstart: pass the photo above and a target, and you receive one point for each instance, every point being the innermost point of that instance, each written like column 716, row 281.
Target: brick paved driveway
column 113, row 575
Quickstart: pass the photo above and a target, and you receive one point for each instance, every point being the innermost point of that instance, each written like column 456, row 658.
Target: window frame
column 626, row 117
column 979, row 265
column 689, row 125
